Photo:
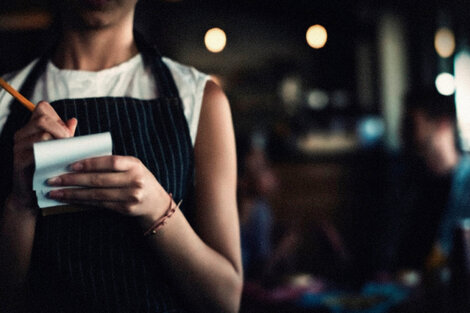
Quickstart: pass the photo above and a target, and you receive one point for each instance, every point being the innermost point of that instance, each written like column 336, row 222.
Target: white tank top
column 128, row 79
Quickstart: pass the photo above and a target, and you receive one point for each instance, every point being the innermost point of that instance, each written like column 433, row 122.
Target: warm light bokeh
column 317, row 36
column 444, row 42
column 215, row 40
column 24, row 21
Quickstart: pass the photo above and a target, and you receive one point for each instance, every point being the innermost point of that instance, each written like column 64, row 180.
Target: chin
column 96, row 14
column 95, row 20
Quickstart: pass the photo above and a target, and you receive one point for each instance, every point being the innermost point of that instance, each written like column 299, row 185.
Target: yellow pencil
column 28, row 104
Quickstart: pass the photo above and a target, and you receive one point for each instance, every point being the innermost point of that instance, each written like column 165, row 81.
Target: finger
column 72, row 125
column 27, row 131
column 56, row 127
column 45, row 117
column 109, row 163
column 43, row 123
column 96, row 180
column 97, row 195
column 44, row 108
column 38, row 137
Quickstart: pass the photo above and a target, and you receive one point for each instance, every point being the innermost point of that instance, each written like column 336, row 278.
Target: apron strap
column 165, row 83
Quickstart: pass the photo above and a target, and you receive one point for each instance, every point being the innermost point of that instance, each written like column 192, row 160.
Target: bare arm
column 209, row 262
column 17, row 226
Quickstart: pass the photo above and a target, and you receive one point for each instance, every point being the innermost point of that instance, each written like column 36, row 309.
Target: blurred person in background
column 275, row 252
column 428, row 187
column 256, row 182
column 269, row 248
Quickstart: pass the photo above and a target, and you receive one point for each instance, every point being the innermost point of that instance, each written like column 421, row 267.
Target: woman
column 99, row 260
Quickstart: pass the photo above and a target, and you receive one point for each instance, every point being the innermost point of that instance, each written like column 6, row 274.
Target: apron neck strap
column 152, row 57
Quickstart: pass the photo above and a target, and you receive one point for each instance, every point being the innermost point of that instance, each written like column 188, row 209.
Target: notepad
column 52, row 158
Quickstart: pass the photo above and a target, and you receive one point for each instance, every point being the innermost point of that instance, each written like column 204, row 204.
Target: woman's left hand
column 119, row 183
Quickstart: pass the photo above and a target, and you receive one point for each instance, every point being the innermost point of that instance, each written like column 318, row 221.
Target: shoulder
column 191, row 81
column 187, row 78
column 191, row 85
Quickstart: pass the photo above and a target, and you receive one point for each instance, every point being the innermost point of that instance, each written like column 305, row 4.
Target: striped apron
column 98, row 261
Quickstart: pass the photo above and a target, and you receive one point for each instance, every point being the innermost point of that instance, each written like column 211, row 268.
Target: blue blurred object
column 373, row 298
column 370, row 131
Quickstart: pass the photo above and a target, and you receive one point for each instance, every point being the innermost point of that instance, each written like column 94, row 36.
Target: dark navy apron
column 99, row 261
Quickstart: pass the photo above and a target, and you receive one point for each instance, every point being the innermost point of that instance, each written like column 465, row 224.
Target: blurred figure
column 271, row 251
column 256, row 182
column 429, row 185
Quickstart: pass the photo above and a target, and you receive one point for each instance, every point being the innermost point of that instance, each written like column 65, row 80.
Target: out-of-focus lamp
column 444, row 42
column 317, row 36
column 215, row 40
column 445, row 84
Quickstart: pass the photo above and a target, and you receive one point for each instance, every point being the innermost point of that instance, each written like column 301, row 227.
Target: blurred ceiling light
column 317, row 99
column 444, row 42
column 215, row 40
column 316, row 36
column 445, row 84
column 25, row 21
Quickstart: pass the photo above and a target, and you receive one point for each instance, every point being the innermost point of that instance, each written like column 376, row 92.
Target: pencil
column 28, row 104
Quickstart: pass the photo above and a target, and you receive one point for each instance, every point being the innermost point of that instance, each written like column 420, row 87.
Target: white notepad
column 52, row 158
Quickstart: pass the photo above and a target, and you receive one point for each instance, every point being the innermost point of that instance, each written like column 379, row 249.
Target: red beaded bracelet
column 162, row 220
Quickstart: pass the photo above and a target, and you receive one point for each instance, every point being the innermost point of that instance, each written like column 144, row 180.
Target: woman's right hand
column 44, row 125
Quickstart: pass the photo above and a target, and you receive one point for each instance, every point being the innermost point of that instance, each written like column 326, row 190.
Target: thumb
column 72, row 125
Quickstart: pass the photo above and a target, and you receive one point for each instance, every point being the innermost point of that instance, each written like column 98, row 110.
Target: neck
column 95, row 49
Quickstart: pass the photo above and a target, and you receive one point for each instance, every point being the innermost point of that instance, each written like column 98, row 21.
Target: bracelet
column 162, row 220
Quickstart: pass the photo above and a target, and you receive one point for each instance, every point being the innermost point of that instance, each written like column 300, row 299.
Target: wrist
column 157, row 210
column 159, row 222
column 17, row 205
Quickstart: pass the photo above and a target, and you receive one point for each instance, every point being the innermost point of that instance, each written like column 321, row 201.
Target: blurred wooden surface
column 310, row 191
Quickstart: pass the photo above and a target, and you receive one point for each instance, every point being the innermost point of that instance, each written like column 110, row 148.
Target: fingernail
column 54, row 181
column 55, row 194
column 76, row 166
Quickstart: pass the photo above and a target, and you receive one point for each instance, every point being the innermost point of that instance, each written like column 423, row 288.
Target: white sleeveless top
column 128, row 79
